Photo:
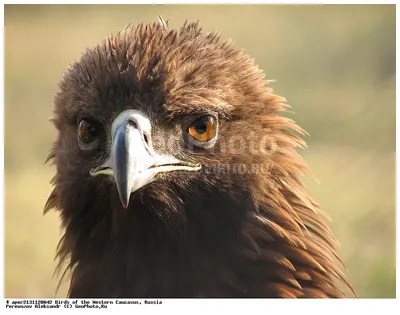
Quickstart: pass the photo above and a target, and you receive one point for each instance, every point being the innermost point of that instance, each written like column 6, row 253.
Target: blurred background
column 335, row 64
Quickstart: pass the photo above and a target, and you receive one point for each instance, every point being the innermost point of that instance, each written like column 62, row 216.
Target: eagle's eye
column 203, row 129
column 88, row 133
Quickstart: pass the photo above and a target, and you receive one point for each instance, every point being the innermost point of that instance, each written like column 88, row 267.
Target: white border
column 202, row 306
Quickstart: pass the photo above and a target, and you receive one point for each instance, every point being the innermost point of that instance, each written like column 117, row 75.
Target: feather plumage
column 218, row 234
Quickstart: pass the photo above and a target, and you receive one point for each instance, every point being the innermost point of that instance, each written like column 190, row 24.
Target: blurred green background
column 334, row 64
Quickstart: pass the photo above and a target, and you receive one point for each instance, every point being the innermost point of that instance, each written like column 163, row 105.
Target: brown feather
column 218, row 234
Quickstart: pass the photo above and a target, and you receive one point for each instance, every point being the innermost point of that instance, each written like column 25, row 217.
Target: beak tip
column 124, row 205
column 125, row 201
column 124, row 198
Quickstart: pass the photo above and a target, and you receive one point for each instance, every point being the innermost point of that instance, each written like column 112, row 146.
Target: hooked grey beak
column 133, row 163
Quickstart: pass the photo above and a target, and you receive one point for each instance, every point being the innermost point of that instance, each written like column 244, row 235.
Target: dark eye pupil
column 87, row 131
column 201, row 126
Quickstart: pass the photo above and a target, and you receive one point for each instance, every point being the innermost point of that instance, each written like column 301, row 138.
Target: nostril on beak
column 138, row 122
column 133, row 123
column 146, row 139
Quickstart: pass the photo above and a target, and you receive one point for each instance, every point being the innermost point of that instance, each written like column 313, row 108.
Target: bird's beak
column 133, row 163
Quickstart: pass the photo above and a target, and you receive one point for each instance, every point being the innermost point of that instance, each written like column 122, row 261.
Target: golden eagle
column 177, row 175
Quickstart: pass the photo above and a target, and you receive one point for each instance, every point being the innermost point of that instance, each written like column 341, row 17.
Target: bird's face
column 133, row 150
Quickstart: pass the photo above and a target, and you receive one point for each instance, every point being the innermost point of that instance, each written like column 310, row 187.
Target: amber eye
column 87, row 132
column 203, row 128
